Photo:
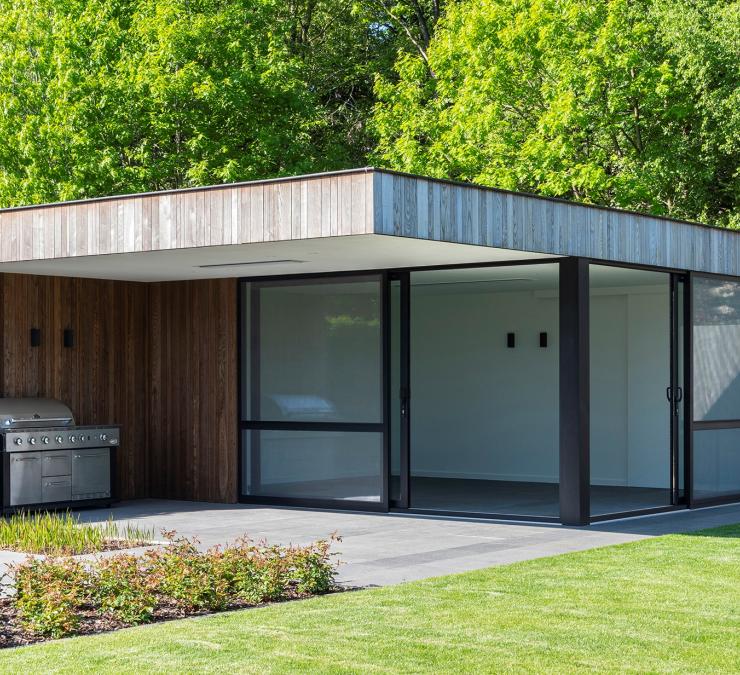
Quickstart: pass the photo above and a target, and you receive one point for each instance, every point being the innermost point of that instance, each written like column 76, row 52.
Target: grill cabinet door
column 91, row 473
column 56, row 489
column 56, row 463
column 25, row 478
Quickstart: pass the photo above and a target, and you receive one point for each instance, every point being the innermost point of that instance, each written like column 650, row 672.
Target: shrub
column 123, row 590
column 255, row 573
column 187, row 576
column 49, row 595
column 312, row 567
column 53, row 594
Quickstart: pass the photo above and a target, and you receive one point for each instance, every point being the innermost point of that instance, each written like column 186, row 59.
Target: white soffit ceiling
column 304, row 256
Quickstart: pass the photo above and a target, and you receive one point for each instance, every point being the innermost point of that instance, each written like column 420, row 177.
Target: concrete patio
column 380, row 549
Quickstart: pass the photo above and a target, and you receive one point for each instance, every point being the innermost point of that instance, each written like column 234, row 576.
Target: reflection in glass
column 716, row 463
column 313, row 464
column 716, row 338
column 320, row 352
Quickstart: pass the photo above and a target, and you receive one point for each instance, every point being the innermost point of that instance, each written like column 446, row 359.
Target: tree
column 109, row 96
column 628, row 103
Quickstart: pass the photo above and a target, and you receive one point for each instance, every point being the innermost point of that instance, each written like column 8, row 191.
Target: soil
column 108, row 545
column 12, row 633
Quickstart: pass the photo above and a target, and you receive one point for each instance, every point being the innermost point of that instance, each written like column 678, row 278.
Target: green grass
column 660, row 605
column 64, row 534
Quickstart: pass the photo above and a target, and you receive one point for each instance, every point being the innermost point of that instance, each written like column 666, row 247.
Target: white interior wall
column 630, row 370
column 479, row 408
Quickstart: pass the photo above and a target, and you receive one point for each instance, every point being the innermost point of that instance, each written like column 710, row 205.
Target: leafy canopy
column 109, row 96
column 629, row 103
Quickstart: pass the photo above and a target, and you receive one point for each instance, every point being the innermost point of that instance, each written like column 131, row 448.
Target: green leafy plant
column 626, row 103
column 49, row 594
column 53, row 594
column 187, row 576
column 256, row 573
column 64, row 534
column 123, row 590
column 313, row 569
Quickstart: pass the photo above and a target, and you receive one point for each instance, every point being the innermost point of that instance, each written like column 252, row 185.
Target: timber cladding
column 193, row 367
column 158, row 359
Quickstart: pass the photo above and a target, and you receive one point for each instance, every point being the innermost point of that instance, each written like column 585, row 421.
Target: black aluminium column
column 575, row 481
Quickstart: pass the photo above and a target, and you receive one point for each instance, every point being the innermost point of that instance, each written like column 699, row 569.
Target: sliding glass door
column 637, row 392
column 474, row 390
column 313, row 391
column 715, row 466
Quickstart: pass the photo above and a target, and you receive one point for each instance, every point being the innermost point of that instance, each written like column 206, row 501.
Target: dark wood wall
column 102, row 377
column 193, row 365
column 158, row 359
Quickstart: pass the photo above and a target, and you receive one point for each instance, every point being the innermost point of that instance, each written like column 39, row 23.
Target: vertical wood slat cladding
column 230, row 214
column 103, row 377
column 158, row 359
column 421, row 208
column 193, row 397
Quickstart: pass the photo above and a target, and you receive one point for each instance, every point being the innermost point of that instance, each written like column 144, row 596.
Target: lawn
column 663, row 605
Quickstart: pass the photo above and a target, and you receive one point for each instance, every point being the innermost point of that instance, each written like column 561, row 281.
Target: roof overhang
column 359, row 219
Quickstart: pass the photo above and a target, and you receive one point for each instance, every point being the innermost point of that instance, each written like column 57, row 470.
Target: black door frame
column 403, row 503
column 676, row 390
column 694, row 426
column 252, row 286
column 401, row 426
column 573, row 396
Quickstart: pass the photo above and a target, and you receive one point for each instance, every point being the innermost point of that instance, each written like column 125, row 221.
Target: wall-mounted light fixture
column 69, row 337
column 511, row 340
column 35, row 337
column 543, row 339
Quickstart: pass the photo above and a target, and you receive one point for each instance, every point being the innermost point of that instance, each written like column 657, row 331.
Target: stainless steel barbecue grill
column 48, row 461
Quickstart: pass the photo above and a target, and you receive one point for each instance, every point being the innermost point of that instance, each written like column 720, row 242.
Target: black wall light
column 69, row 337
column 543, row 339
column 35, row 337
column 511, row 340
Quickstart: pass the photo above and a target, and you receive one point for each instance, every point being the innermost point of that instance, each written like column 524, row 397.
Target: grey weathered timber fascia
column 362, row 201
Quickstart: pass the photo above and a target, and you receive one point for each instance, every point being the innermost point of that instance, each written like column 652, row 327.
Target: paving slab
column 381, row 549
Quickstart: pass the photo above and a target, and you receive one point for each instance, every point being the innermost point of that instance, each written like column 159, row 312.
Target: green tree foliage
column 110, row 96
column 629, row 103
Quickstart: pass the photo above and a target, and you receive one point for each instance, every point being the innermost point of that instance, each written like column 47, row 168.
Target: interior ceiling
column 331, row 254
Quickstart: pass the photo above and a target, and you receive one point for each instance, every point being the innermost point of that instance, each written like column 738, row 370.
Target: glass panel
column 395, row 376
column 716, row 330
column 630, row 370
column 680, row 356
column 320, row 351
column 484, row 415
column 313, row 464
column 716, row 465
column 246, row 290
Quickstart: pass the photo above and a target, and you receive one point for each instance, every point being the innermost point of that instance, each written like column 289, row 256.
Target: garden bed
column 49, row 597
column 13, row 634
column 47, row 533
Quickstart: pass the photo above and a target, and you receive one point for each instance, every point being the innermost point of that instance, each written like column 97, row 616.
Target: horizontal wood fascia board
column 361, row 201
column 426, row 208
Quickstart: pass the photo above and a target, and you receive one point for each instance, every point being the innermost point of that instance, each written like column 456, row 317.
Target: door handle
column 679, row 394
column 669, row 394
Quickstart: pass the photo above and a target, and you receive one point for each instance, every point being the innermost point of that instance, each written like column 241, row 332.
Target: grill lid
column 25, row 413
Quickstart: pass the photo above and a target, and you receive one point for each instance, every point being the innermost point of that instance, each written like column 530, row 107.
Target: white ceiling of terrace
column 329, row 254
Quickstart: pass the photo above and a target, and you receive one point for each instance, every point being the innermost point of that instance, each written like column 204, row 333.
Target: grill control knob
column 32, row 440
column 73, row 439
column 18, row 441
column 59, row 439
column 45, row 440
column 103, row 437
